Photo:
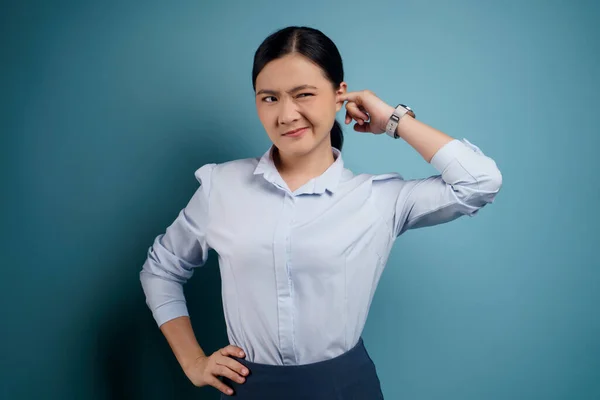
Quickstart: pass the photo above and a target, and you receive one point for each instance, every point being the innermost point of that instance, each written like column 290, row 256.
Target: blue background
column 108, row 109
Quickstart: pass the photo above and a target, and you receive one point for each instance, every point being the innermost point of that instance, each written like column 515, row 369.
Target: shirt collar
column 328, row 180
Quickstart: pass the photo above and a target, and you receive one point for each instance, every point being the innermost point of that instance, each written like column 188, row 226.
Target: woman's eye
column 272, row 99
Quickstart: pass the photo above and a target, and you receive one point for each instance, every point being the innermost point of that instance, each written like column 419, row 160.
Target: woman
column 301, row 240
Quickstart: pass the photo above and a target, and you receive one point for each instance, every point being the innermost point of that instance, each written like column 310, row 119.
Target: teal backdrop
column 108, row 108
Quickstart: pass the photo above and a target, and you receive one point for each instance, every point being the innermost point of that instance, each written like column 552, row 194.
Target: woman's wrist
column 190, row 361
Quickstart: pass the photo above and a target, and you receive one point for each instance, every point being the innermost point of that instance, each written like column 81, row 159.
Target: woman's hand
column 206, row 370
column 369, row 111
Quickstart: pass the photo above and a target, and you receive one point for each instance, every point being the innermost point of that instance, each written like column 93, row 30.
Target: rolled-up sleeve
column 175, row 253
column 468, row 181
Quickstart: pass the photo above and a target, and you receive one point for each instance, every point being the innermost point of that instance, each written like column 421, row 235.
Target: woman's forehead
column 288, row 72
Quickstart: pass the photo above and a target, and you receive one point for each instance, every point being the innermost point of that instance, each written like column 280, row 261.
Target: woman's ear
column 341, row 90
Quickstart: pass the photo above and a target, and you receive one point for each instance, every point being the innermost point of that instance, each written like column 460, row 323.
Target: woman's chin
column 302, row 145
column 298, row 146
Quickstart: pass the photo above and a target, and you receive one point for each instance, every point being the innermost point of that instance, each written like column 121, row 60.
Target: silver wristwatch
column 400, row 111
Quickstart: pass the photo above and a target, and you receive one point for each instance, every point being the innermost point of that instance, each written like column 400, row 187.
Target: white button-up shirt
column 299, row 269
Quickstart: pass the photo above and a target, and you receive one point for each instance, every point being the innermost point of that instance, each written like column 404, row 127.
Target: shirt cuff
column 451, row 151
column 170, row 311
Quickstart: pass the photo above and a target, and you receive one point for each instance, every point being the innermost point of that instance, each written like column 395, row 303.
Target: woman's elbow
column 491, row 182
column 488, row 186
column 162, row 265
column 481, row 190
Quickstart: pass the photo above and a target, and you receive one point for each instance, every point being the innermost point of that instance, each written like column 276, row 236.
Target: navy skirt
column 351, row 375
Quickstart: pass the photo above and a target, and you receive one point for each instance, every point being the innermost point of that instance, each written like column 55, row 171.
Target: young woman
column 301, row 240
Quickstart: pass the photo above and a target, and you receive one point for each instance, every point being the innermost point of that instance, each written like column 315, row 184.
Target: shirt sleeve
column 468, row 181
column 176, row 252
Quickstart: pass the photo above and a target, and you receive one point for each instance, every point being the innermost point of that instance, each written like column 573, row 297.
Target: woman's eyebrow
column 274, row 92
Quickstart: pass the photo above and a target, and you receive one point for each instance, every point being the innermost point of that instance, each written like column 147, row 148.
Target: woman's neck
column 297, row 170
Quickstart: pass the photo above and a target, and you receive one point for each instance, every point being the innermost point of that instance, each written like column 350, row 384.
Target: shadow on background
column 131, row 358
column 135, row 360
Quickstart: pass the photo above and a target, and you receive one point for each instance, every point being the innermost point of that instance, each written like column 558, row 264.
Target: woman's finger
column 233, row 365
column 351, row 96
column 222, row 370
column 364, row 110
column 217, row 384
column 355, row 112
column 365, row 127
column 232, row 350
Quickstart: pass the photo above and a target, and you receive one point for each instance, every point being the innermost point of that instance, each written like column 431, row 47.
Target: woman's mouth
column 296, row 132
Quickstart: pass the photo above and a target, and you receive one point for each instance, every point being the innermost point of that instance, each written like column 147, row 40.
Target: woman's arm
column 372, row 114
column 170, row 264
column 422, row 137
column 468, row 179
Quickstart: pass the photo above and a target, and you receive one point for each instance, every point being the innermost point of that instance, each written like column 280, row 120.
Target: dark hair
column 312, row 44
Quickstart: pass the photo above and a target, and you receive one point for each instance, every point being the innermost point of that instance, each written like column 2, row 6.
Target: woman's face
column 297, row 104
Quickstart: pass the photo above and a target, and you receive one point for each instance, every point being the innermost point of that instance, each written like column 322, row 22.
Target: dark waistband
column 356, row 356
column 349, row 375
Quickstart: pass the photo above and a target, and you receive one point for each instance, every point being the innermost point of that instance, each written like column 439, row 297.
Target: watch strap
column 400, row 111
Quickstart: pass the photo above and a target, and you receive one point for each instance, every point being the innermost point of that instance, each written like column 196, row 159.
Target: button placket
column 284, row 282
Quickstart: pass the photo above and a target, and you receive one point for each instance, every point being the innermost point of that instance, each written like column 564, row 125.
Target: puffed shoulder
column 204, row 176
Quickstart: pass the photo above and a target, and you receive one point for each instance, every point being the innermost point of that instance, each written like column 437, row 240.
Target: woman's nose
column 288, row 113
